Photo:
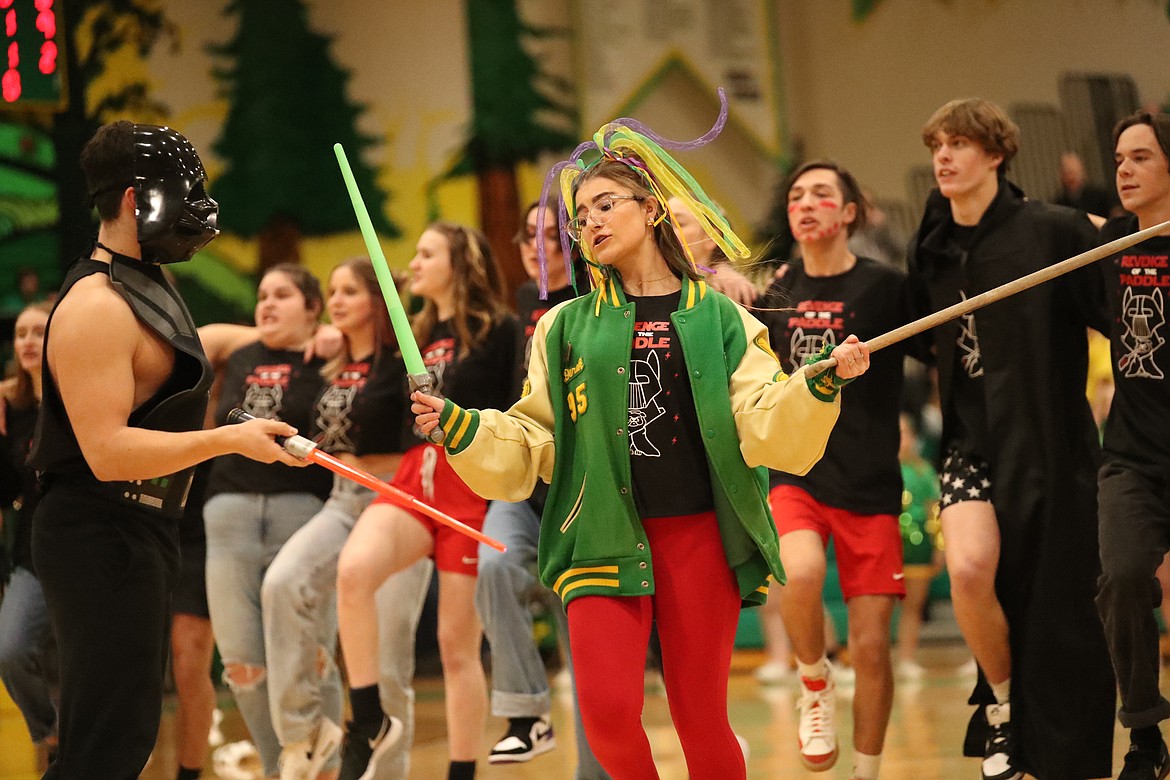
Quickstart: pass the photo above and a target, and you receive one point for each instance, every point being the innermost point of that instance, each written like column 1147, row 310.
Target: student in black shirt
column 1134, row 481
column 853, row 494
column 468, row 344
column 1020, row 450
column 358, row 420
column 28, row 649
column 252, row 509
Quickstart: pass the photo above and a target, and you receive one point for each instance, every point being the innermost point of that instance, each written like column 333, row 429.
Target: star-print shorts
column 964, row 478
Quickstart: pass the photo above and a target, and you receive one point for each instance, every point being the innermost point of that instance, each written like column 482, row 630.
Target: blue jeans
column 300, row 625
column 503, row 587
column 28, row 654
column 245, row 531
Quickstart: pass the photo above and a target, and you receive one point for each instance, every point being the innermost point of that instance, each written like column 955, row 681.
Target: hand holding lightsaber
column 999, row 293
column 419, row 377
column 306, row 449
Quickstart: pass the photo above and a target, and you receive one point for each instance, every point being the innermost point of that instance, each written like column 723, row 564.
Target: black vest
column 179, row 405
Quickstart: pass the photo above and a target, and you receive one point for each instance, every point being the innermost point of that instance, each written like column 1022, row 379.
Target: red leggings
column 696, row 604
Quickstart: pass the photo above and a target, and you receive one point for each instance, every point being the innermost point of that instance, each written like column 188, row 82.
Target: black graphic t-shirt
column 531, row 308
column 361, row 410
column 859, row 471
column 277, row 385
column 480, row 380
column 1137, row 283
column 667, row 457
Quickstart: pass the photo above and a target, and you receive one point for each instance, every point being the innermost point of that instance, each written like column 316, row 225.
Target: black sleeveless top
column 179, row 405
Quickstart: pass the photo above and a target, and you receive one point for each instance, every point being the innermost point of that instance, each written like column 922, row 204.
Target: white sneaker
column 911, row 670
column 237, row 761
column 522, row 744
column 305, row 759
column 774, row 673
column 817, row 731
column 998, row 759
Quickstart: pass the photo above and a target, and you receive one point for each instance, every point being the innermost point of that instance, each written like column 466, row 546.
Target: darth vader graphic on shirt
column 653, row 352
column 264, row 390
column 804, row 346
column 1142, row 316
column 334, row 407
column 645, row 387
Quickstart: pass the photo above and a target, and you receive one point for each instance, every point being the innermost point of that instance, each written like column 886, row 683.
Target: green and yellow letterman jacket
column 569, row 429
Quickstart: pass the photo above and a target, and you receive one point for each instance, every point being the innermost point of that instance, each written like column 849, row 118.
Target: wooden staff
column 999, row 293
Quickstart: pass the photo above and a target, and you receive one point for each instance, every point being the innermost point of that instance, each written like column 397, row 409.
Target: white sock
column 865, row 766
column 1002, row 690
column 817, row 670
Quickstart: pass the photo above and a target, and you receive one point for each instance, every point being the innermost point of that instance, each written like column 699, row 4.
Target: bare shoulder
column 93, row 313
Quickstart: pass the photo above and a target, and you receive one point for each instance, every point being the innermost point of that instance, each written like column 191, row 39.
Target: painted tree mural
column 514, row 119
column 93, row 37
column 288, row 107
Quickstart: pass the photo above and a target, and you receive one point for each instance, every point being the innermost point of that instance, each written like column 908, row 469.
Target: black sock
column 461, row 770
column 188, row 774
column 1146, row 737
column 367, row 707
column 521, row 726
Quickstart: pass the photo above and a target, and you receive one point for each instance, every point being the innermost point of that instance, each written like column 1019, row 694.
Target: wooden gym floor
column 923, row 742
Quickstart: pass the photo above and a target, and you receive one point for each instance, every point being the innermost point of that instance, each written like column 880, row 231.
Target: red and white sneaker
column 817, row 731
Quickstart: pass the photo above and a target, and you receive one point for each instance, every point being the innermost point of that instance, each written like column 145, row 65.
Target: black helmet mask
column 176, row 216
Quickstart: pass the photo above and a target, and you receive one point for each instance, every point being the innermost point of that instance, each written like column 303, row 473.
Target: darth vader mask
column 176, row 216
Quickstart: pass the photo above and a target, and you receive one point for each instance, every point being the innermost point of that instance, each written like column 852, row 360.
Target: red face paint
column 817, row 232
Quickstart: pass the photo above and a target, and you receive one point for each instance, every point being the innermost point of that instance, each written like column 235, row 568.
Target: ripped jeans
column 300, row 603
column 245, row 531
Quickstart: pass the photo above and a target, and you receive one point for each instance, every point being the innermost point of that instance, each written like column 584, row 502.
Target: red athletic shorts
column 425, row 474
column 868, row 547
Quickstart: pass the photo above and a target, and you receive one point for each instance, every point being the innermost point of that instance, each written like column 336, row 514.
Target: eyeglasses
column 523, row 236
column 600, row 213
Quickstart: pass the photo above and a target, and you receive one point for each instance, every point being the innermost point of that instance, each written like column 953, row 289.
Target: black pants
column 107, row 572
column 1134, row 530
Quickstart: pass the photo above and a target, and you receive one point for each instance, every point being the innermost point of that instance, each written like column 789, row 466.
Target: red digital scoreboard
column 31, row 58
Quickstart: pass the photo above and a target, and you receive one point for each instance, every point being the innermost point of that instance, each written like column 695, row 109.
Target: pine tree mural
column 288, row 107
column 511, row 121
column 94, row 32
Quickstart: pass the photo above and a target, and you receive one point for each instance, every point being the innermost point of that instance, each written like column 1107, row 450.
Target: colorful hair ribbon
column 634, row 144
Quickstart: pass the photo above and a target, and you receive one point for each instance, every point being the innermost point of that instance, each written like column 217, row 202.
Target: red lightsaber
column 306, row 449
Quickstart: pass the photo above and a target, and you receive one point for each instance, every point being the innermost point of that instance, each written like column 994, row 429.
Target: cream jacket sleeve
column 781, row 424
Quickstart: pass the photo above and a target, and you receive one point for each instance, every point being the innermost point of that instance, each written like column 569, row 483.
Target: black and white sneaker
column 1146, row 764
column 365, row 746
column 999, row 755
column 526, row 739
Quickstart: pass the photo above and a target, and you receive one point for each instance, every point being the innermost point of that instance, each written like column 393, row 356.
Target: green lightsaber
column 419, row 377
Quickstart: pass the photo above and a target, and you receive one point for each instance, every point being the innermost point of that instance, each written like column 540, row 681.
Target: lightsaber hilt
column 296, row 445
column 425, row 383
